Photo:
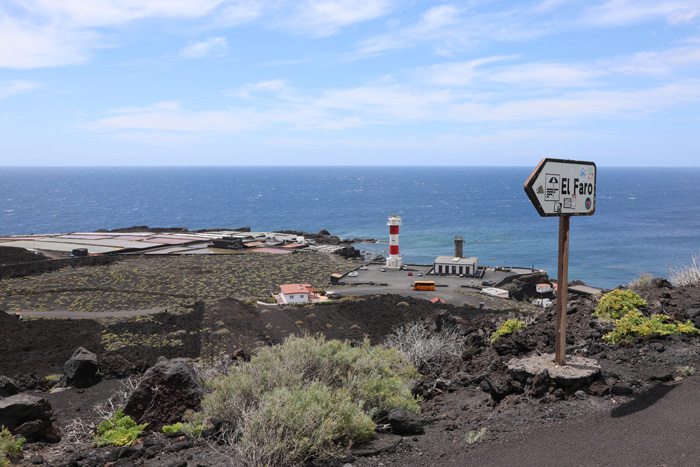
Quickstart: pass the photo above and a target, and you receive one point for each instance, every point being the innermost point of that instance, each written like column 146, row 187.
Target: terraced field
column 170, row 281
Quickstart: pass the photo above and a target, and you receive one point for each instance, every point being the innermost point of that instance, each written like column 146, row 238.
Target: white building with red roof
column 298, row 293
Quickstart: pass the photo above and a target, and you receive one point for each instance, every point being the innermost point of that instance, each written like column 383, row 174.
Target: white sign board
column 560, row 187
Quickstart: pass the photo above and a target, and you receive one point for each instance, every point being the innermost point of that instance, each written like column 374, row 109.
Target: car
column 383, row 269
column 353, row 274
column 404, row 267
column 488, row 283
column 410, row 273
column 420, row 273
column 364, row 268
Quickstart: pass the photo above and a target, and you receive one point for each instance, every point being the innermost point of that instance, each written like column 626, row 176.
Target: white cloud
column 90, row 13
column 434, row 23
column 13, row 88
column 29, row 46
column 274, row 86
column 235, row 13
column 663, row 62
column 625, row 12
column 214, row 46
column 323, row 18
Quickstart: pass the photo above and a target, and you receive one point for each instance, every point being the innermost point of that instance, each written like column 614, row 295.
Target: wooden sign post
column 562, row 188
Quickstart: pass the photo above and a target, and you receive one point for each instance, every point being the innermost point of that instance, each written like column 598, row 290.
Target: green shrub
column 292, row 426
column 270, row 400
column 506, row 328
column 118, row 430
column 188, row 429
column 634, row 324
column 9, row 447
column 618, row 303
column 686, row 370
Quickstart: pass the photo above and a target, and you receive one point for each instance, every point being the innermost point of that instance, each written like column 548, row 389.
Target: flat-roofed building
column 454, row 265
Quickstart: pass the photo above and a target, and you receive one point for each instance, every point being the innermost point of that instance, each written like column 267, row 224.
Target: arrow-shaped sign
column 560, row 187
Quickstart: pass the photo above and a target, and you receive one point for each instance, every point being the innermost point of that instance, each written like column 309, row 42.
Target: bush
column 118, row 430
column 308, row 397
column 9, row 447
column 685, row 274
column 292, row 426
column 506, row 328
column 425, row 347
column 634, row 324
column 618, row 303
column 642, row 279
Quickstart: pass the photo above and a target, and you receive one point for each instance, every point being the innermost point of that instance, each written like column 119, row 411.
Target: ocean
column 645, row 219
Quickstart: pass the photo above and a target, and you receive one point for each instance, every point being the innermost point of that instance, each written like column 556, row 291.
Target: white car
column 353, row 274
column 420, row 273
column 364, row 268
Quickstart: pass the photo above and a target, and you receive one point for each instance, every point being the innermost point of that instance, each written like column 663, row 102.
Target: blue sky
column 349, row 82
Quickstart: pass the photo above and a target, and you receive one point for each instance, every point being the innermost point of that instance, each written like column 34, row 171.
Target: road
column 87, row 314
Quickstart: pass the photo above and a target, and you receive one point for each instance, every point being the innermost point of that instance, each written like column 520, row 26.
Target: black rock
column 405, row 423
column 165, row 392
column 621, row 389
column 80, row 370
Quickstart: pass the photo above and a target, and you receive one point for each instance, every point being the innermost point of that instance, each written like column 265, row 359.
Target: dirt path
column 87, row 314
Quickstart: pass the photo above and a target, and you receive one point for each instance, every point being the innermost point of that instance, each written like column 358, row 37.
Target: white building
column 455, row 265
column 543, row 288
column 297, row 293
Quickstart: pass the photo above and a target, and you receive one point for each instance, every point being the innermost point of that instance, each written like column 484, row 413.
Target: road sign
column 562, row 188
column 559, row 187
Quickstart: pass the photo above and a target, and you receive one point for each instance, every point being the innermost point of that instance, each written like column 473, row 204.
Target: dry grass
column 685, row 274
column 425, row 347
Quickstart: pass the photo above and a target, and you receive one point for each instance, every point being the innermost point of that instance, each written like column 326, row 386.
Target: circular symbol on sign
column 588, row 203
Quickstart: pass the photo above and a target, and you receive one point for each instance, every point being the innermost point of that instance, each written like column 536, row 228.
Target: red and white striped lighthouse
column 394, row 260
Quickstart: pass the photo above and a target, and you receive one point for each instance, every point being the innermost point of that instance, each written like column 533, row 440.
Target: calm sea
column 646, row 218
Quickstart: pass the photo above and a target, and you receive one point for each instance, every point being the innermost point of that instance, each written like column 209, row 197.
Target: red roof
column 437, row 299
column 296, row 288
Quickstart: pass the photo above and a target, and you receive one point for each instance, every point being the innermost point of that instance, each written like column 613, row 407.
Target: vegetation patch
column 618, row 303
column 308, row 398
column 507, row 328
column 10, row 447
column 118, row 430
column 634, row 324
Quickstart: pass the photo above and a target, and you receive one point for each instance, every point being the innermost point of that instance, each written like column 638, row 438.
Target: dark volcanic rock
column 29, row 416
column 166, row 391
column 348, row 252
column 80, row 370
column 405, row 423
column 7, row 387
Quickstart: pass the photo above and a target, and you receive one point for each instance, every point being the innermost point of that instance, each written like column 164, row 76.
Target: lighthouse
column 394, row 260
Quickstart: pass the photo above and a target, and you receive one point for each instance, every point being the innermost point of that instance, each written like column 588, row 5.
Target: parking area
column 373, row 279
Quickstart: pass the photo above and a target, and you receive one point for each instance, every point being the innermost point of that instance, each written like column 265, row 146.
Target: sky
column 349, row 82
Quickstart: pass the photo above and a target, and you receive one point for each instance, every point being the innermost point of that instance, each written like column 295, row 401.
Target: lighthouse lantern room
column 394, row 260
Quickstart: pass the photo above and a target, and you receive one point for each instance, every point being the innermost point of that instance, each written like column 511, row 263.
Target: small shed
column 80, row 252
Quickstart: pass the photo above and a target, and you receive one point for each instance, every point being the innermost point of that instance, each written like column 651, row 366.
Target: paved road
column 661, row 428
column 87, row 314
